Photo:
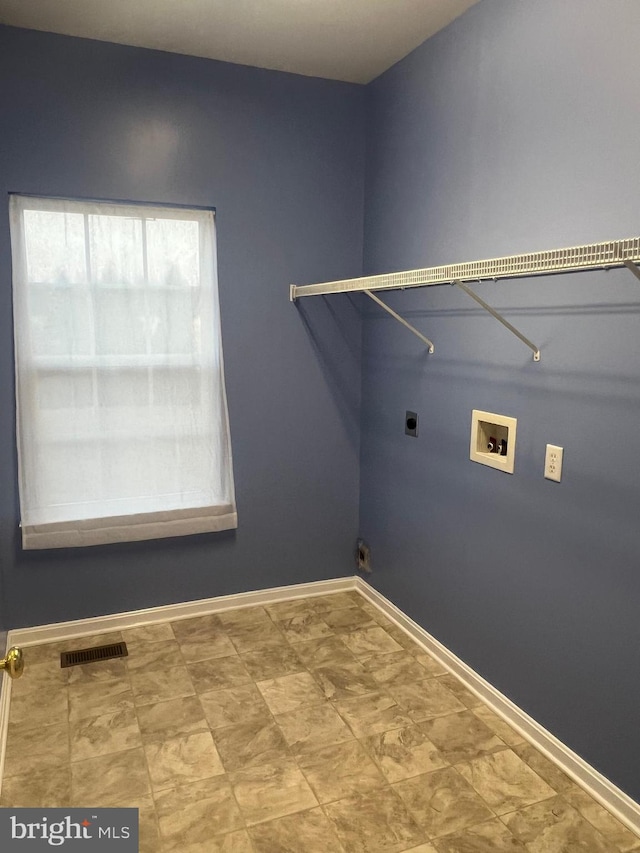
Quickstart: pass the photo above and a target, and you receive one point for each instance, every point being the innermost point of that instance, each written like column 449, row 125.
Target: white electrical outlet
column 553, row 463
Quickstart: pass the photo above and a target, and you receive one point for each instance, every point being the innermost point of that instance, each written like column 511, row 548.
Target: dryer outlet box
column 493, row 440
column 411, row 424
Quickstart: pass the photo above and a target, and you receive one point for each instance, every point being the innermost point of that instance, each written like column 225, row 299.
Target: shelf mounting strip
column 593, row 256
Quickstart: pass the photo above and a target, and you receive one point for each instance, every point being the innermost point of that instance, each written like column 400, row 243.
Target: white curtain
column 122, row 418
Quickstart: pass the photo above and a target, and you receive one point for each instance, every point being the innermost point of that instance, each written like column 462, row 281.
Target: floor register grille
column 97, row 653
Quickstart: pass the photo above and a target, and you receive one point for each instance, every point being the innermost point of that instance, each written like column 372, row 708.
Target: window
column 122, row 418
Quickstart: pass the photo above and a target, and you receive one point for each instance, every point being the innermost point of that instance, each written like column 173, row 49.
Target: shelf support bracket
column 632, row 267
column 501, row 319
column 400, row 320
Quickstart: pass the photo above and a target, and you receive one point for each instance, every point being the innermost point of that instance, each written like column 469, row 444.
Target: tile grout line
column 177, row 785
column 226, row 775
column 144, row 752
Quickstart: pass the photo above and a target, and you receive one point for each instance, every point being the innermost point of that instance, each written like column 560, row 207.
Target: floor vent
column 97, row 653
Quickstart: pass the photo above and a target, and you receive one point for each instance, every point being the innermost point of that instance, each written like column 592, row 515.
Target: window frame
column 210, row 516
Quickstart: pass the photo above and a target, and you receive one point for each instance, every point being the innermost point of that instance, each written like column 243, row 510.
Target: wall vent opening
column 97, row 653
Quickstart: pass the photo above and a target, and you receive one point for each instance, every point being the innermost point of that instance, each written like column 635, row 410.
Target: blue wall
column 281, row 157
column 515, row 129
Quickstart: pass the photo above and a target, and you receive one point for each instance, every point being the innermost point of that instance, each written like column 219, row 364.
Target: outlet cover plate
column 553, row 463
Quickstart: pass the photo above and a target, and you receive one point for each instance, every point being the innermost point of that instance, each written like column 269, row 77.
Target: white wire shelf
column 574, row 259
column 615, row 253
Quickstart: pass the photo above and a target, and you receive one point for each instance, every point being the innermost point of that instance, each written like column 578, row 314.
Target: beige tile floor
column 310, row 725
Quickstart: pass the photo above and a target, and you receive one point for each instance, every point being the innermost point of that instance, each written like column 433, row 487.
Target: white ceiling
column 353, row 40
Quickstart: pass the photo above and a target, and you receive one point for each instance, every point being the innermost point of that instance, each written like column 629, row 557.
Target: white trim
column 5, row 699
column 621, row 806
column 171, row 612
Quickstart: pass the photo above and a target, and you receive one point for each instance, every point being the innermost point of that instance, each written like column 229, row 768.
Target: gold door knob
column 13, row 663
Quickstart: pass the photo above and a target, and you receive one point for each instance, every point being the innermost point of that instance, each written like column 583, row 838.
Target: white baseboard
column 598, row 786
column 621, row 806
column 5, row 699
column 171, row 612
